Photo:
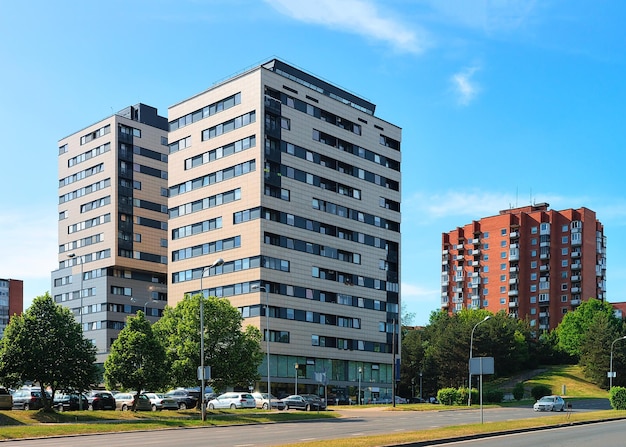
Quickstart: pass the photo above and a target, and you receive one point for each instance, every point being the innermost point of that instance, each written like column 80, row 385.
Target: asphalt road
column 354, row 423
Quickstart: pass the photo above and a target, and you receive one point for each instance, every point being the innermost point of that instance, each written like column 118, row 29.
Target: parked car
column 180, row 399
column 550, row 403
column 6, row 399
column 416, row 400
column 124, row 402
column 64, row 401
column 156, row 400
column 263, row 402
column 300, row 402
column 28, row 399
column 101, row 400
column 232, row 400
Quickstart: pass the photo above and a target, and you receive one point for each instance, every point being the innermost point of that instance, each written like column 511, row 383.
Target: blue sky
column 502, row 102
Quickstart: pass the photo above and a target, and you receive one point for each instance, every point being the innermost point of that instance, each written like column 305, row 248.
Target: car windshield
column 546, row 399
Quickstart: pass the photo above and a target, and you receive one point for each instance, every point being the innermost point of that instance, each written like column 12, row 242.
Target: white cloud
column 464, row 86
column 361, row 17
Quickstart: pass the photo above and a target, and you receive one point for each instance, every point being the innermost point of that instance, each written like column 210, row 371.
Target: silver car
column 263, row 402
column 232, row 400
column 550, row 403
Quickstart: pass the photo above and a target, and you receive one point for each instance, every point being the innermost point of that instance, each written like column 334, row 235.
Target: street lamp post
column 611, row 373
column 80, row 294
column 421, row 397
column 360, row 372
column 217, row 263
column 296, row 368
column 267, row 338
column 469, row 383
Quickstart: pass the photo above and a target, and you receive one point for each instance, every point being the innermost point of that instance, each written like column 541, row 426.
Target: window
column 503, row 243
column 564, row 239
column 564, row 286
column 564, row 263
column 503, row 254
column 503, row 232
column 533, row 277
column 533, row 299
column 564, row 275
column 533, row 253
column 564, row 229
column 564, row 297
column 485, row 268
column 533, row 288
column 533, row 230
column 502, row 266
column 533, row 264
column 486, row 235
column 533, row 241
column 503, row 278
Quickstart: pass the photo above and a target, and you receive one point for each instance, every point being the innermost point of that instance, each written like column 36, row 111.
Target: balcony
column 458, row 257
column 513, row 303
column 514, row 256
column 544, row 244
column 474, row 241
column 576, row 266
column 575, row 254
column 575, row 277
column 514, row 234
column 514, row 269
column 575, row 290
column 544, row 267
column 544, row 256
column 514, row 246
column 575, row 302
column 544, row 314
column 513, row 292
column 444, row 252
column 474, row 263
column 513, row 280
column 543, row 327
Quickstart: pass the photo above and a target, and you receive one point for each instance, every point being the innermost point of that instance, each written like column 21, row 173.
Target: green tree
column 137, row 358
column 573, row 329
column 45, row 345
column 595, row 351
column 233, row 354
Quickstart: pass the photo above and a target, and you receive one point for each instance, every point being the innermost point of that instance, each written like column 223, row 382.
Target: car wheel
column 90, row 407
column 211, row 407
column 124, row 407
column 233, row 406
column 154, row 408
column 60, row 408
column 286, row 407
column 307, row 408
column 26, row 407
column 182, row 406
column 265, row 406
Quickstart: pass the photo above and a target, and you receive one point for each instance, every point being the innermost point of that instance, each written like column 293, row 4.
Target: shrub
column 539, row 391
column 462, row 395
column 518, row 391
column 493, row 396
column 617, row 397
column 447, row 396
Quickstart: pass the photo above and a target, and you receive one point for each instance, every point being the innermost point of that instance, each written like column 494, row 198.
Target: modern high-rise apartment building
column 11, row 301
column 530, row 262
column 295, row 184
column 113, row 222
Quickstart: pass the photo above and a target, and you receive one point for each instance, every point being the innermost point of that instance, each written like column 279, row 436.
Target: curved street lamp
column 217, row 263
column 267, row 349
column 469, row 383
column 611, row 366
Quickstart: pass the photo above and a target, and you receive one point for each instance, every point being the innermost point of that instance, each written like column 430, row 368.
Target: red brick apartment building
column 531, row 262
column 11, row 301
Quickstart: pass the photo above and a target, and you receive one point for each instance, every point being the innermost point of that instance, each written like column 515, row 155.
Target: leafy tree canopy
column 573, row 329
column 233, row 354
column 137, row 359
column 45, row 345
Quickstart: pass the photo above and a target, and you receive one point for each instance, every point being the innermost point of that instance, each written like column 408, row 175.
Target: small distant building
column 11, row 301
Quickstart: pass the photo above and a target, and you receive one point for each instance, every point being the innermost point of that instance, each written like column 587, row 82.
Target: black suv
column 101, row 400
column 181, row 399
column 64, row 401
